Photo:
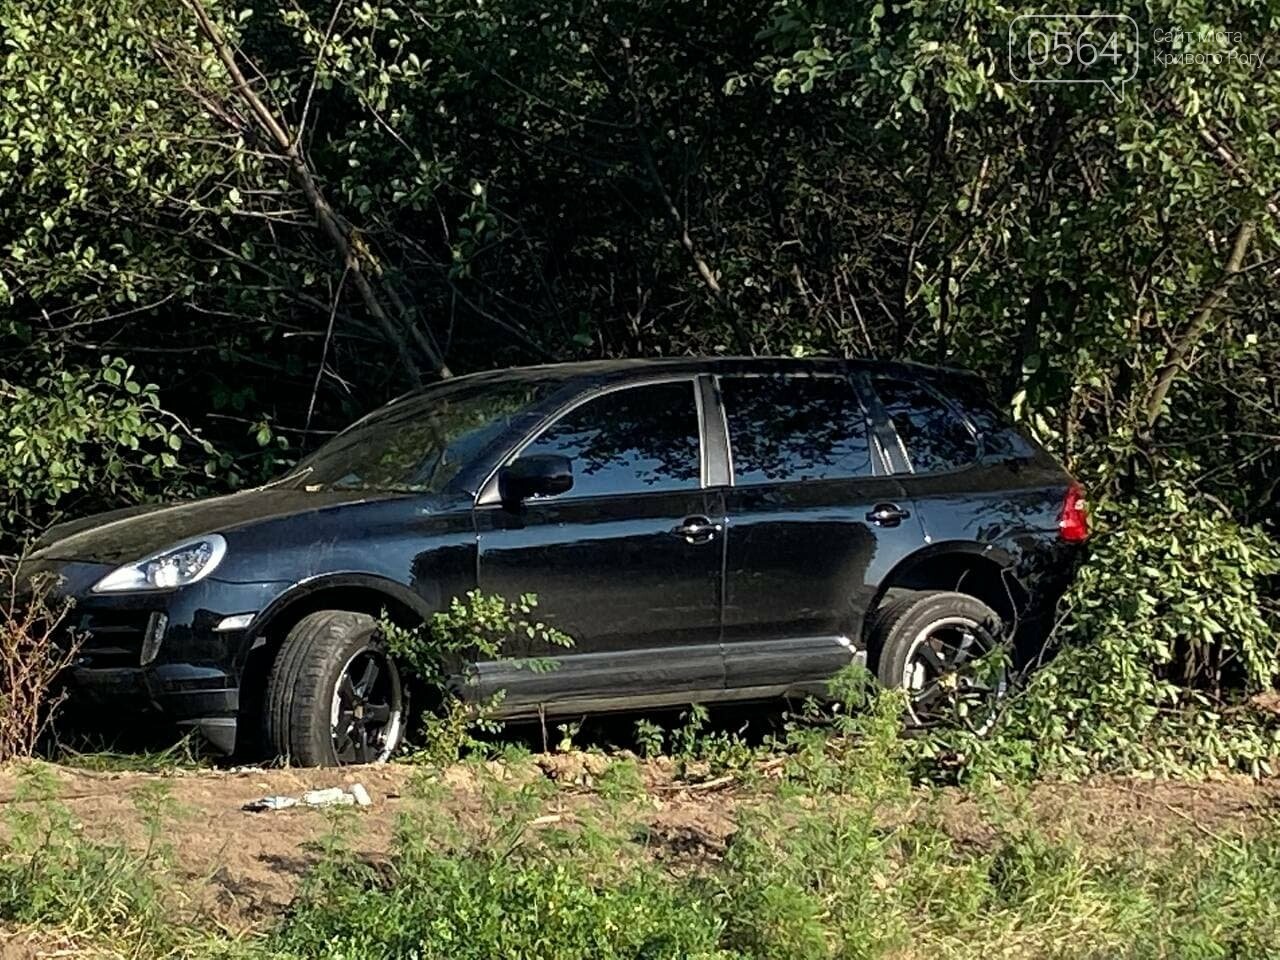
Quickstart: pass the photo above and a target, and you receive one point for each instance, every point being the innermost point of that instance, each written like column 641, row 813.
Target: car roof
column 608, row 370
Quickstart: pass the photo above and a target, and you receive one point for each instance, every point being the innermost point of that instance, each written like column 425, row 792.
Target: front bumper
column 159, row 652
column 204, row 700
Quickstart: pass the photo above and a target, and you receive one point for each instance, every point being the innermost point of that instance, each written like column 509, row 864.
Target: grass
column 52, row 877
column 183, row 755
column 836, row 855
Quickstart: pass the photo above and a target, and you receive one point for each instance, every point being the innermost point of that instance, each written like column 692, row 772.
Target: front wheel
column 946, row 650
column 335, row 695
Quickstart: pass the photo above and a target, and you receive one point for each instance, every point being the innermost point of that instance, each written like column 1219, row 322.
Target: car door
column 970, row 487
column 627, row 562
column 815, row 522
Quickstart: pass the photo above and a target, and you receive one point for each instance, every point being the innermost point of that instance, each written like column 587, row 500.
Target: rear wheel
column 946, row 650
column 334, row 695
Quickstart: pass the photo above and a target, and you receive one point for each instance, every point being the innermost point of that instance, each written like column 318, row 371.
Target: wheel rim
column 949, row 676
column 368, row 708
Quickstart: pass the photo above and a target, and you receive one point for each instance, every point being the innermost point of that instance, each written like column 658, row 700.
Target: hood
column 128, row 535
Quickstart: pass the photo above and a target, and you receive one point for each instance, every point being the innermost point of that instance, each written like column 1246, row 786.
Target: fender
column 353, row 579
column 997, row 554
column 1003, row 560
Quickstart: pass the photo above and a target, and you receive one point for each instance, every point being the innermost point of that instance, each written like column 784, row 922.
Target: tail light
column 1073, row 521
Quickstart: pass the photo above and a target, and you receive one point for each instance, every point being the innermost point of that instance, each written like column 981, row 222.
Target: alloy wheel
column 955, row 673
column 368, row 708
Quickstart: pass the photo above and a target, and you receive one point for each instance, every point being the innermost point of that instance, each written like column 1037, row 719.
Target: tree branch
column 1190, row 338
column 339, row 233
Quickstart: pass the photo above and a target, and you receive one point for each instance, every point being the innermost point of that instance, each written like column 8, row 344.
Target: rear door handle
column 698, row 529
column 887, row 514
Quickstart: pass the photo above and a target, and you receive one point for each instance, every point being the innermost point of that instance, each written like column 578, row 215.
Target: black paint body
column 715, row 590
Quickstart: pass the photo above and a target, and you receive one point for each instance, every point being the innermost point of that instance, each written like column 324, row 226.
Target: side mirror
column 543, row 474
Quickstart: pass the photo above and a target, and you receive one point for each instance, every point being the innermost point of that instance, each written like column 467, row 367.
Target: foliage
column 504, row 900
column 473, row 629
column 524, row 181
column 841, row 858
column 51, row 875
column 476, row 628
column 91, row 436
column 621, row 780
column 650, row 737
column 864, row 754
column 467, row 185
column 1167, row 619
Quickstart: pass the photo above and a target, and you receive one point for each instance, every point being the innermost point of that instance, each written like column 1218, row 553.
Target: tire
column 894, row 598
column 316, row 712
column 935, row 645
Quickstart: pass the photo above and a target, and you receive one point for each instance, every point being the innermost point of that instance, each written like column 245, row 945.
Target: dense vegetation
column 225, row 232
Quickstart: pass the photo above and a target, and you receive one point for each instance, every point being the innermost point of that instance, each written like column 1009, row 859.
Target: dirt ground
column 249, row 865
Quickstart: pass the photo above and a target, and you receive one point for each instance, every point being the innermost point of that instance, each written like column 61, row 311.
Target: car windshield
column 419, row 444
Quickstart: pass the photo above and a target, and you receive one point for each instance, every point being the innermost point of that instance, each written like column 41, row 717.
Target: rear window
column 934, row 439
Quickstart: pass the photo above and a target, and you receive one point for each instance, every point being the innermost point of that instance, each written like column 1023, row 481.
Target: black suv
column 705, row 530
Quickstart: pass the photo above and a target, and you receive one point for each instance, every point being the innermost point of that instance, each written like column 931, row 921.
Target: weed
column 502, row 888
column 183, row 755
column 622, row 780
column 568, row 732
column 650, row 738
column 476, row 628
column 34, row 653
column 96, row 890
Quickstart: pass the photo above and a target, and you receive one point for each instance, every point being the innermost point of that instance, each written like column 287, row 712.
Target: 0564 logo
column 1074, row 48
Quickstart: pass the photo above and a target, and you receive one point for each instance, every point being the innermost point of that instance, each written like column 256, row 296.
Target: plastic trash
column 361, row 795
column 331, row 797
column 328, row 797
column 271, row 803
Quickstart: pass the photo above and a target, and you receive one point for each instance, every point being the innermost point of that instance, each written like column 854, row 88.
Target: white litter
column 332, row 797
column 329, row 797
column 361, row 795
column 271, row 803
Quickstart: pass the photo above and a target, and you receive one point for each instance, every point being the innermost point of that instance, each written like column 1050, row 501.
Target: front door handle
column 698, row 529
column 887, row 514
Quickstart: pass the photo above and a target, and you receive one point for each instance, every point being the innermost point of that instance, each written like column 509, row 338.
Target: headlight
column 175, row 567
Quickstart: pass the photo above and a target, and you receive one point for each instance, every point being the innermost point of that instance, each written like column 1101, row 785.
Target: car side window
column 792, row 427
column 934, row 438
column 639, row 439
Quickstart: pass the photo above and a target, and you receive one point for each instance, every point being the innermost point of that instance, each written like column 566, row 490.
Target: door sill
column 677, row 698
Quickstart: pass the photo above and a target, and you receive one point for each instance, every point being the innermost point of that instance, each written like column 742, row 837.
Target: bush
column 99, row 435
column 1168, row 630
column 473, row 629
column 31, row 659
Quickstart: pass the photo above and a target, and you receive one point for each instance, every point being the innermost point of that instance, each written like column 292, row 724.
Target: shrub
column 1168, row 629
column 32, row 658
column 475, row 628
column 96, row 434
